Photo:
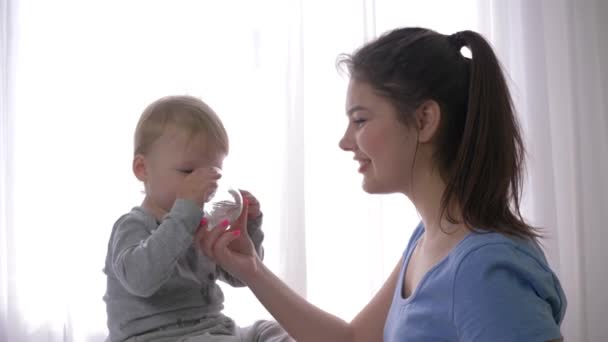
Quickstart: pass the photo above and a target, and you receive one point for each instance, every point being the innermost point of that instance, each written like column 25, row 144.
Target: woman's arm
column 233, row 250
column 305, row 322
column 368, row 325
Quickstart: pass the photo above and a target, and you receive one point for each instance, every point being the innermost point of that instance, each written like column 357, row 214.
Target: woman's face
column 384, row 146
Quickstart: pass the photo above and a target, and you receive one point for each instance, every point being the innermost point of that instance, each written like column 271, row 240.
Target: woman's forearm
column 302, row 320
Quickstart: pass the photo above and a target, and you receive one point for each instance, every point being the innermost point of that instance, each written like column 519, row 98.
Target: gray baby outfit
column 160, row 287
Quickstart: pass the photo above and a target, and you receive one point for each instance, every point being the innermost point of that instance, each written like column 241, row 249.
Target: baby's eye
column 185, row 171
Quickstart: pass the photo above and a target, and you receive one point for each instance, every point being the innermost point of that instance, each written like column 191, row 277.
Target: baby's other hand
column 254, row 210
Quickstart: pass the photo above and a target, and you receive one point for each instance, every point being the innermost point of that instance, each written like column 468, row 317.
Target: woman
column 440, row 128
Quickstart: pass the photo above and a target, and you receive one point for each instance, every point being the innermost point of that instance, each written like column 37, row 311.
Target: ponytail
column 486, row 175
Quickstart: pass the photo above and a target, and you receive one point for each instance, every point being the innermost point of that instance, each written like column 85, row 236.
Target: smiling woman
column 439, row 128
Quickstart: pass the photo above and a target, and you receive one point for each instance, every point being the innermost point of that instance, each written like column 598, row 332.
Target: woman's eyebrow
column 355, row 108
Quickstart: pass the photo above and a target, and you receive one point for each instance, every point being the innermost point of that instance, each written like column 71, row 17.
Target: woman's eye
column 359, row 122
column 185, row 171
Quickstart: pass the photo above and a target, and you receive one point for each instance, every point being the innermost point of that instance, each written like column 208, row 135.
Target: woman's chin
column 371, row 187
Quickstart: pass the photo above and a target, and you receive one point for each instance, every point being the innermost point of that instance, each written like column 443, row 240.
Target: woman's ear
column 139, row 167
column 428, row 117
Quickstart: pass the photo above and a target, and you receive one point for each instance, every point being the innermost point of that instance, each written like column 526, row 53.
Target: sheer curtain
column 76, row 75
column 80, row 76
column 8, row 306
column 556, row 53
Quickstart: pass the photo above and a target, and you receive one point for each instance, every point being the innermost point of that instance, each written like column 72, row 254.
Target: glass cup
column 226, row 203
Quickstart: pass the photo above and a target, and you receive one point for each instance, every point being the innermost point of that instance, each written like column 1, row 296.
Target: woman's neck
column 427, row 196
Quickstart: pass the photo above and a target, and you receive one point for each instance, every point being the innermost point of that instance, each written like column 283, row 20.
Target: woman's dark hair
column 478, row 146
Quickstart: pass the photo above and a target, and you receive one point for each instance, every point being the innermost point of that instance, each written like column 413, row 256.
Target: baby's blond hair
column 183, row 112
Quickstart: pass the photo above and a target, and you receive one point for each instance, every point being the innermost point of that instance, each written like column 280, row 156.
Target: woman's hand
column 231, row 248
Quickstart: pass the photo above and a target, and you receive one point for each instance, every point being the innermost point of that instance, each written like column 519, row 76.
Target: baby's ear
column 139, row 167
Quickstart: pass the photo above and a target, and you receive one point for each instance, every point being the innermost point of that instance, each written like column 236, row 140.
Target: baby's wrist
column 193, row 201
column 187, row 211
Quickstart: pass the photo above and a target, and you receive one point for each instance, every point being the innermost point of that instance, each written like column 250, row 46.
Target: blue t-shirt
column 490, row 287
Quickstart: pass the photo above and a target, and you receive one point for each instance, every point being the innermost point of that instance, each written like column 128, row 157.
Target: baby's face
column 172, row 157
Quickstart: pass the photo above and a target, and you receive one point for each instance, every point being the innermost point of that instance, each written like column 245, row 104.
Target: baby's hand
column 199, row 185
column 254, row 205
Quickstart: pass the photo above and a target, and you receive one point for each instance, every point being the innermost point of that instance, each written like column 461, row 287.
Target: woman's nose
column 346, row 143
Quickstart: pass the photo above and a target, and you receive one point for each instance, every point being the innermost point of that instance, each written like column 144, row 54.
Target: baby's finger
column 213, row 172
column 254, row 210
column 254, row 204
column 241, row 221
column 205, row 173
column 245, row 193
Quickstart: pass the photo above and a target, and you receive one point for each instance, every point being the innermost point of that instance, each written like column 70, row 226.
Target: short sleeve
column 503, row 293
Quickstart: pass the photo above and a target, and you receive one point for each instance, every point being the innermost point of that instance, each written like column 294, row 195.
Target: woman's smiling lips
column 363, row 164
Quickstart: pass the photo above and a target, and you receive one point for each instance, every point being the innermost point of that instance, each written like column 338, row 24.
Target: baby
column 160, row 287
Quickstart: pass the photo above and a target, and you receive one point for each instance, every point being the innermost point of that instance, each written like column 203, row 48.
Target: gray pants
column 260, row 331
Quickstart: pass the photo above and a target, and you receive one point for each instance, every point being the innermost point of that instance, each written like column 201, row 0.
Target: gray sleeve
column 254, row 228
column 144, row 258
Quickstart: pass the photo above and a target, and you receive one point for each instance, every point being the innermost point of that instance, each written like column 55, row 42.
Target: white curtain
column 76, row 75
column 81, row 74
column 555, row 53
column 8, row 307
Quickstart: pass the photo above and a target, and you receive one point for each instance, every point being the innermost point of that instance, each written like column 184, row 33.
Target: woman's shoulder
column 504, row 263
column 490, row 247
column 494, row 271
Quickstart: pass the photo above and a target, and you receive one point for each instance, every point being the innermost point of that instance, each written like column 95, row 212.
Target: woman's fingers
column 220, row 247
column 209, row 237
column 200, row 232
